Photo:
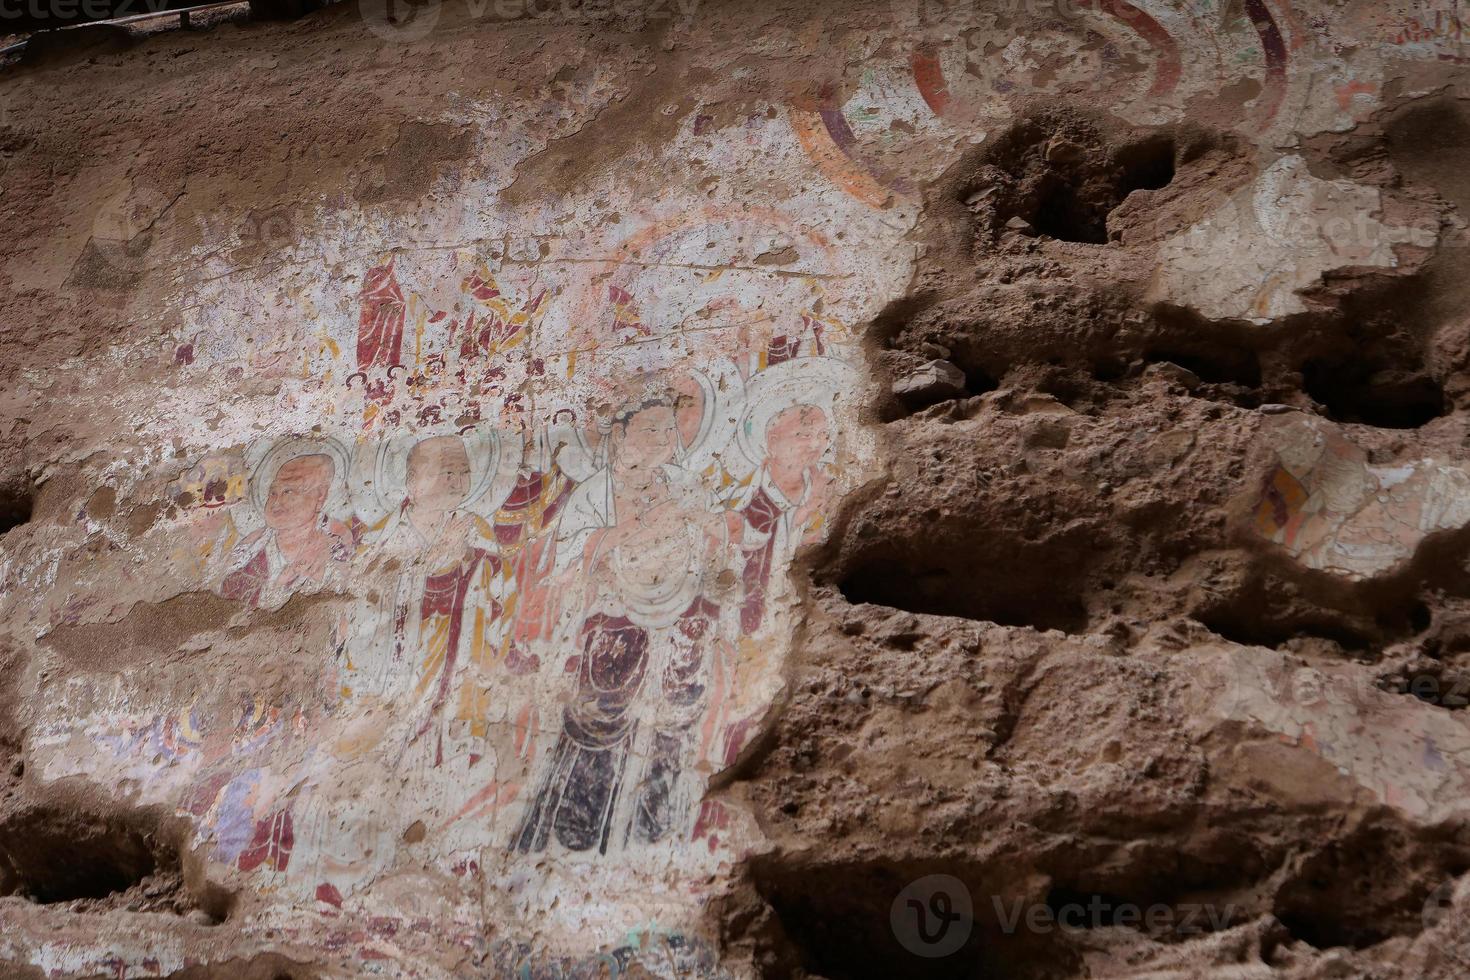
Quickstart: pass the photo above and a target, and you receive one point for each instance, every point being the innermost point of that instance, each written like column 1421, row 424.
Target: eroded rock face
column 860, row 490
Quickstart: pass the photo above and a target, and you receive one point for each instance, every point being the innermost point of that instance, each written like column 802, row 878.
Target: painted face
column 298, row 492
column 438, row 473
column 798, row 435
column 650, row 438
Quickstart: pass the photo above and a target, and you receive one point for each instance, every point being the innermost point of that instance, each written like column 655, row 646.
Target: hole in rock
column 1264, row 630
column 1421, row 617
column 1062, row 213
column 1030, row 585
column 858, row 922
column 1147, row 165
column 1210, row 884
column 1271, row 609
column 60, row 860
column 1160, row 916
column 15, row 507
column 1060, row 173
column 977, row 381
column 1373, row 395
column 839, row 926
column 64, row 854
column 1368, row 887
column 1215, row 366
column 1073, row 909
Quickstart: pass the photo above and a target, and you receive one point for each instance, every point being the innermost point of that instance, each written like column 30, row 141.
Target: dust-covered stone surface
column 712, row 489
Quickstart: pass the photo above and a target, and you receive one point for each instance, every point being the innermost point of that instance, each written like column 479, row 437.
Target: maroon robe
column 247, row 583
column 380, row 322
column 762, row 514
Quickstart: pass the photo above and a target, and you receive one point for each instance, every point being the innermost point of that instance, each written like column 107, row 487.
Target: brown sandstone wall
column 845, row 490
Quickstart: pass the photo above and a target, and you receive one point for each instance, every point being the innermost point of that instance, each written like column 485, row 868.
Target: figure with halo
column 426, row 656
column 298, row 490
column 648, row 542
column 786, row 434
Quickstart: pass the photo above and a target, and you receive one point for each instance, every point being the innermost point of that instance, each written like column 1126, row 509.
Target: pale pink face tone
column 298, row 493
column 649, row 439
column 798, row 435
column 438, row 473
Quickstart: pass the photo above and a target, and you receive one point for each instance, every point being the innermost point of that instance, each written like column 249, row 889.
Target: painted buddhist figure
column 646, row 641
column 442, row 593
column 380, row 320
column 784, row 505
column 525, row 530
column 301, row 546
column 786, row 433
column 341, row 818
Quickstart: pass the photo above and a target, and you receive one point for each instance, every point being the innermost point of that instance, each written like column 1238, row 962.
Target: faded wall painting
column 551, row 522
column 462, row 517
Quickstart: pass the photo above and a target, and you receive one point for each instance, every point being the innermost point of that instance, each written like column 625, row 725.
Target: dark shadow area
column 16, row 504
column 1272, row 607
column 1033, row 585
column 1060, row 214
column 1147, row 165
column 54, row 856
column 1367, row 887
column 1217, row 365
column 858, row 922
column 1062, row 174
column 1369, row 394
column 59, row 853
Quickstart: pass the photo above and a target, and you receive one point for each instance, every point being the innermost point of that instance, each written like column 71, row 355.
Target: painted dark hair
column 625, row 414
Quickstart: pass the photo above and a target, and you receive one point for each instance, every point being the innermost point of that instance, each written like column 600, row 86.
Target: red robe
column 761, row 514
column 380, row 322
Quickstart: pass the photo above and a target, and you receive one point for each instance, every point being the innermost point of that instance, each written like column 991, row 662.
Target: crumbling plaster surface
column 625, row 492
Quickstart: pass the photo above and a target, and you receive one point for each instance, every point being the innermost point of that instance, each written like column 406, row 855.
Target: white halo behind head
column 722, row 390
column 273, row 456
column 816, row 381
column 495, row 462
